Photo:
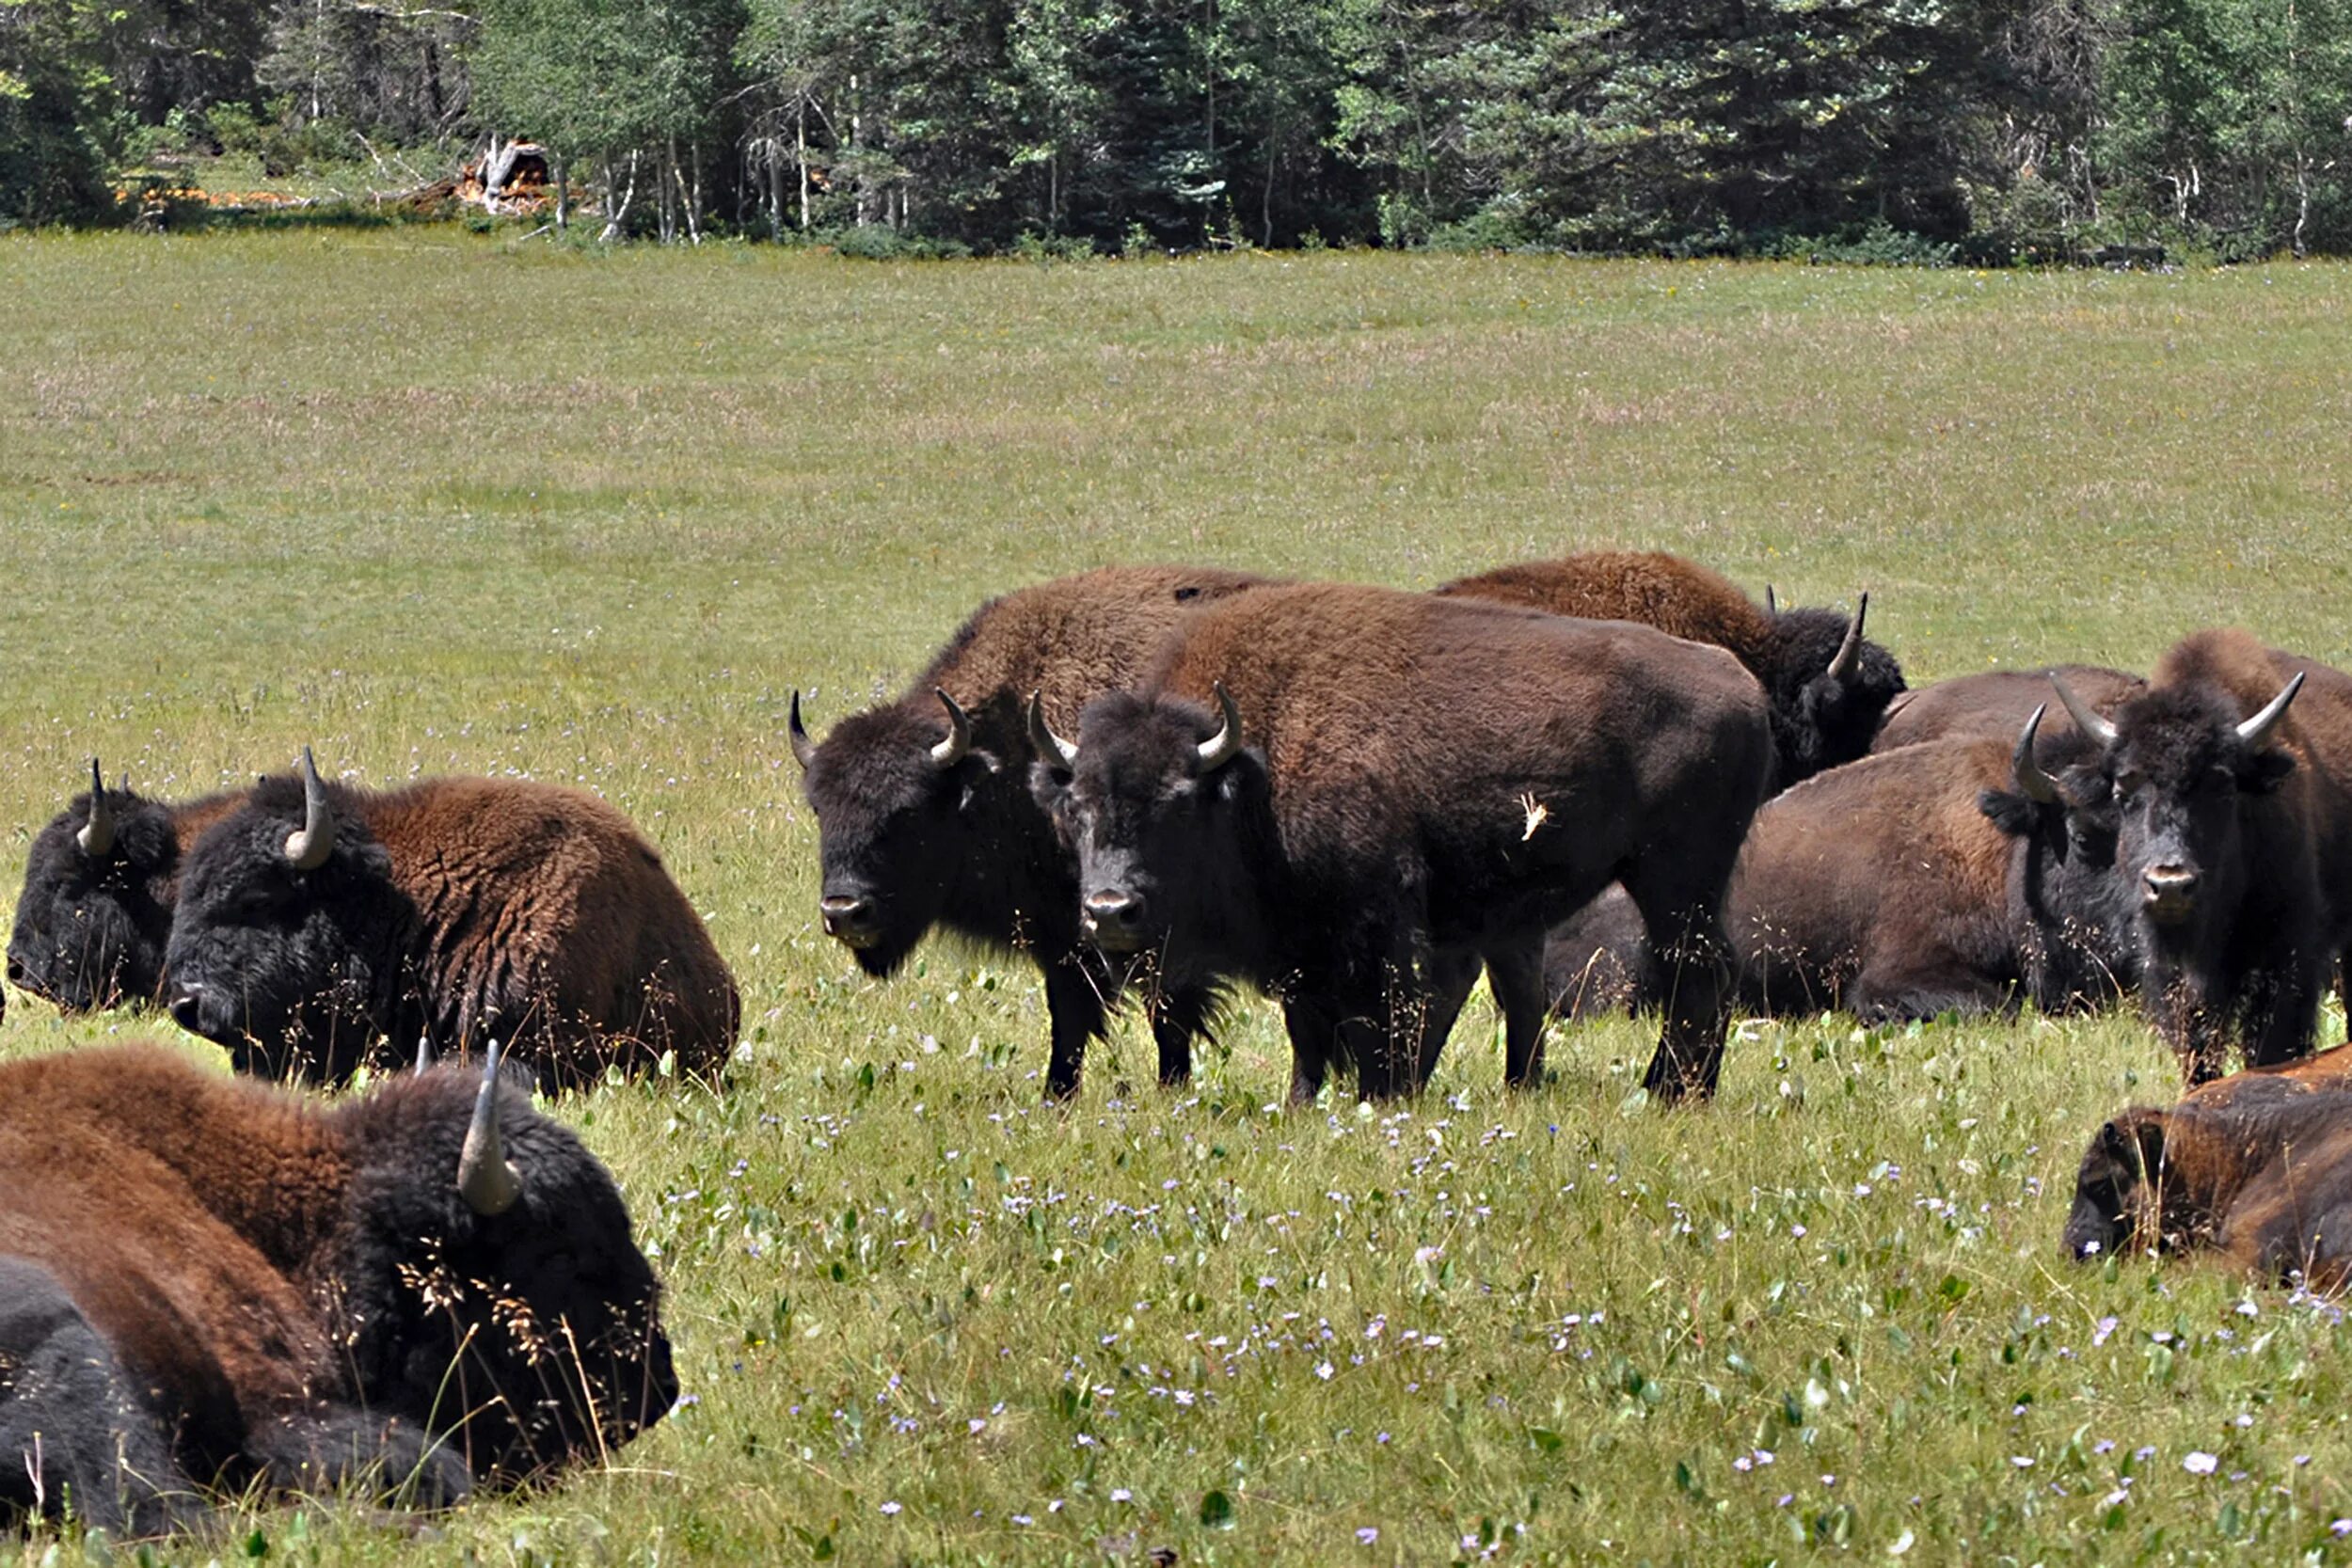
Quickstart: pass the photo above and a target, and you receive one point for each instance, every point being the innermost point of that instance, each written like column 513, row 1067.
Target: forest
column 1984, row 132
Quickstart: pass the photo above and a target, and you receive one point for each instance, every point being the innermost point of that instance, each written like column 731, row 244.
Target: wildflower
column 2104, row 1445
column 890, row 1507
column 1121, row 1495
column 1022, row 1519
column 2200, row 1463
column 2144, row 1454
column 977, row 1426
column 2099, row 1335
column 2022, row 1461
column 1322, row 1371
column 1366, row 1535
column 2341, row 1526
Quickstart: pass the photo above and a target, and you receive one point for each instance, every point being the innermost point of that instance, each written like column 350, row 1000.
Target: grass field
column 431, row 501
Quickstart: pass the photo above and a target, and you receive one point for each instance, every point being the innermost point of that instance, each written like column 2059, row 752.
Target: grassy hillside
column 430, row 503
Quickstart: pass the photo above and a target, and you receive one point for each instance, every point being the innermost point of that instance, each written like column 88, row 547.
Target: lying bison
column 1827, row 683
column 1392, row 787
column 2256, row 1166
column 923, row 810
column 208, row 1281
column 1992, row 704
column 315, row 920
column 100, row 882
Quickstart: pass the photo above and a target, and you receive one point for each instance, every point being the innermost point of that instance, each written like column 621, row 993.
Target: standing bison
column 923, row 809
column 1392, row 787
column 208, row 1281
column 99, row 883
column 317, row 919
column 1827, row 683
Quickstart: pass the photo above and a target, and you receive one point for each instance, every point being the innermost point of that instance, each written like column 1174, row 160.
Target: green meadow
column 431, row 501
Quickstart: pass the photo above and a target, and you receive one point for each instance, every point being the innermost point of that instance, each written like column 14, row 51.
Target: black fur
column 1819, row 722
column 89, row 933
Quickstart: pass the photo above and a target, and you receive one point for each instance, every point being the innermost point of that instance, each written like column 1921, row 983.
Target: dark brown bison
column 1991, row 706
column 315, row 920
column 1826, row 682
column 2229, row 816
column 2256, row 1166
column 1394, row 786
column 100, row 882
column 208, row 1281
column 1908, row 885
column 923, row 809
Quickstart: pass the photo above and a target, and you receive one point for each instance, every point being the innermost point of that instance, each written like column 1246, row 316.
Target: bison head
column 285, row 944
column 1829, row 687
column 93, row 918
column 1168, row 814
column 491, row 1290
column 2183, row 767
column 894, row 793
column 2072, row 911
column 2117, row 1190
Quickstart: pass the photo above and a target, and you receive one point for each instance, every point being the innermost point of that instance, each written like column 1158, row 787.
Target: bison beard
column 455, row 910
column 208, row 1281
column 1377, row 844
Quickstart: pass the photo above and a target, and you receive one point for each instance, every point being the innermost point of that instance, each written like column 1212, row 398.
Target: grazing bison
column 1392, row 787
column 1994, row 703
column 923, row 809
column 315, row 919
column 1827, row 683
column 211, row 1281
column 2256, row 1166
column 99, row 883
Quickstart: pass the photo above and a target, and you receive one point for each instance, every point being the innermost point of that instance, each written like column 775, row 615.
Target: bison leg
column 341, row 1451
column 1178, row 1016
column 1516, row 974
column 1075, row 1014
column 1689, row 975
column 2282, row 1013
column 74, row 1439
column 1451, row 979
column 1314, row 1040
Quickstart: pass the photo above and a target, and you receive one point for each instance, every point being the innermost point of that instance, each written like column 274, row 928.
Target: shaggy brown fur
column 1994, row 706
column 252, row 1286
column 460, row 908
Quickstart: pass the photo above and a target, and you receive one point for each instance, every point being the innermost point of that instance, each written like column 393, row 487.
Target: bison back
column 1996, row 704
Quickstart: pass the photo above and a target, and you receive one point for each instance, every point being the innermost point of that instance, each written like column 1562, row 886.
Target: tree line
column 1925, row 130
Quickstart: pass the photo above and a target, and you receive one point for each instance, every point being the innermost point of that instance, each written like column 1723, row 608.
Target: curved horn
column 97, row 837
column 1224, row 746
column 2089, row 723
column 1051, row 747
column 2031, row 781
column 2257, row 729
column 804, row 749
column 951, row 751
column 308, row 848
column 487, row 1184
column 425, row 1054
column 1771, row 605
column 1841, row 663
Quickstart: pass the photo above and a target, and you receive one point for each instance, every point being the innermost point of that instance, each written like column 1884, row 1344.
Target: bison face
column 2072, row 910
column 1827, row 697
column 2114, row 1201
column 895, row 804
column 1167, row 816
column 291, row 969
column 92, row 922
column 528, row 1338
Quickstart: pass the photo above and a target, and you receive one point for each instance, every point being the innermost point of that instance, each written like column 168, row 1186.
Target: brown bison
column 1994, row 703
column 1392, row 787
column 99, row 883
column 1826, row 682
column 2256, row 1166
column 923, row 809
column 315, row 920
column 208, row 1281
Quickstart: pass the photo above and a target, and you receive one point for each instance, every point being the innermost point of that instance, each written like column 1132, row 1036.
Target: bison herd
column 1607, row 782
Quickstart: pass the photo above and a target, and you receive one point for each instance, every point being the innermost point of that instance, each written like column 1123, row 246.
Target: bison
column 923, row 809
column 209, row 1281
column 1996, row 702
column 2226, row 811
column 2256, row 1166
column 1827, row 683
column 315, row 919
column 1392, row 788
column 100, row 882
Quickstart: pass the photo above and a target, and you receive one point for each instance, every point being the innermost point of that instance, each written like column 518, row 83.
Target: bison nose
column 850, row 918
column 16, row 970
column 1114, row 920
column 187, row 1008
column 2169, row 892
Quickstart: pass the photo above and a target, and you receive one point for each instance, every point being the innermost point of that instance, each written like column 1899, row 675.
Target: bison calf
column 317, row 919
column 208, row 1281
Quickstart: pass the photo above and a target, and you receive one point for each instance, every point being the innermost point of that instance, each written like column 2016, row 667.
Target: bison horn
column 97, row 837
column 1224, row 746
column 2089, row 723
column 425, row 1054
column 804, row 749
column 2257, row 729
column 487, row 1184
column 308, row 848
column 1771, row 607
column 2031, row 781
column 1841, row 663
column 1049, row 746
column 951, row 751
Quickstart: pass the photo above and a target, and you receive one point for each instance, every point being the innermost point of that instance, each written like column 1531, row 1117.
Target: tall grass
column 431, row 502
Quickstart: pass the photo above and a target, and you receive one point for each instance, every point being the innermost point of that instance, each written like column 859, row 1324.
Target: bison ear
column 2013, row 814
column 2134, row 1141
